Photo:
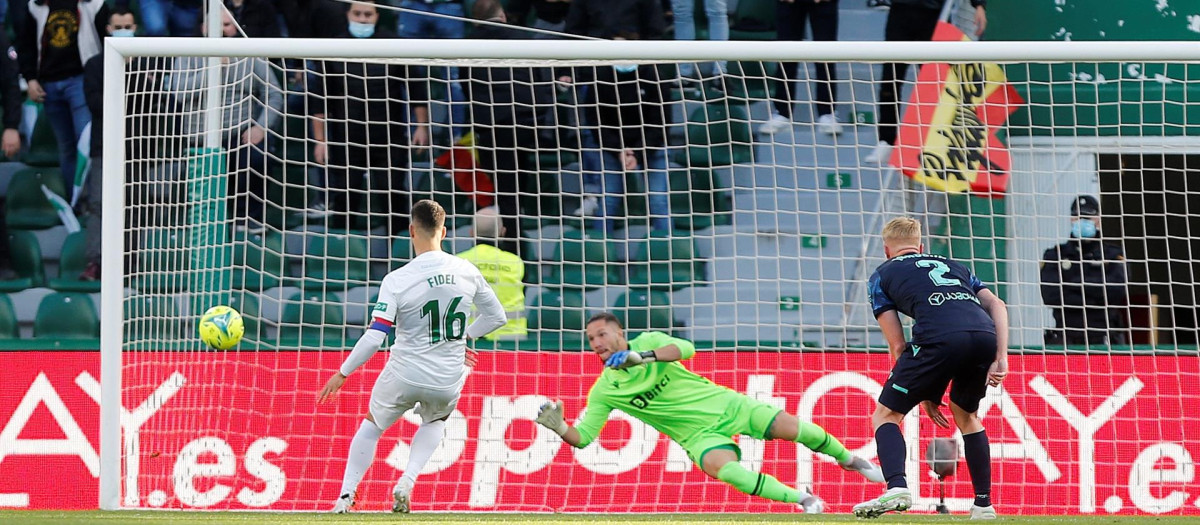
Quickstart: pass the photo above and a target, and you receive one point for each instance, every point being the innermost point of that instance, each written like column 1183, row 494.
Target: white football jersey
column 428, row 301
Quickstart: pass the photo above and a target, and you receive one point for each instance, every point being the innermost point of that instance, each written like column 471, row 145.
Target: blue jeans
column 604, row 174
column 66, row 107
column 414, row 25
column 685, row 27
column 158, row 15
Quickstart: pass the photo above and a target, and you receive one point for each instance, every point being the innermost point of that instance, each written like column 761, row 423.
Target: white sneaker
column 812, row 504
column 343, row 504
column 868, row 470
column 776, row 124
column 828, row 124
column 317, row 211
column 588, row 206
column 881, row 155
column 894, row 500
column 402, row 495
column 983, row 513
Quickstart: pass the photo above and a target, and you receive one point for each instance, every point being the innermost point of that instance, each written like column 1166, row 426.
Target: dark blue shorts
column 960, row 360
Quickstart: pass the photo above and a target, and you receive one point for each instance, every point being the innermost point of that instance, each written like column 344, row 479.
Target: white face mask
column 123, row 33
column 625, row 68
column 361, row 30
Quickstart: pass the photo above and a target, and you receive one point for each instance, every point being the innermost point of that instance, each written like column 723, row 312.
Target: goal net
column 276, row 176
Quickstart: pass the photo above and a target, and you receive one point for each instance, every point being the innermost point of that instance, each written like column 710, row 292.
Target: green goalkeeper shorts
column 745, row 416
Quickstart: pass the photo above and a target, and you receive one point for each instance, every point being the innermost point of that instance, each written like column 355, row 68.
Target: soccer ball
column 221, row 327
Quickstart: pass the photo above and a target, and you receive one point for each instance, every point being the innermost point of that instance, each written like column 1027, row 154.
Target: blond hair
column 902, row 230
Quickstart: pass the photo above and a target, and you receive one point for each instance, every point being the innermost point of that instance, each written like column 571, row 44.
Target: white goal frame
column 117, row 50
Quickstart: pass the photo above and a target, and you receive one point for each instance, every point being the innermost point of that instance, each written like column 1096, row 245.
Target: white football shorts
column 391, row 398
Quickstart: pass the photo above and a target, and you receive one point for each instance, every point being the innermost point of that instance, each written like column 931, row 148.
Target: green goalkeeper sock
column 818, row 440
column 757, row 483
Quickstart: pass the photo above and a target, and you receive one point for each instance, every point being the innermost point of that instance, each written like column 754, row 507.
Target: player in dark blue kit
column 959, row 339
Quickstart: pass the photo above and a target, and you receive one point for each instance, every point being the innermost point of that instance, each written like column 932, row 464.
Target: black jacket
column 10, row 91
column 628, row 19
column 258, row 18
column 507, row 95
column 553, row 11
column 315, row 19
column 143, row 97
column 627, row 110
column 1082, row 281
column 366, row 103
column 934, row 4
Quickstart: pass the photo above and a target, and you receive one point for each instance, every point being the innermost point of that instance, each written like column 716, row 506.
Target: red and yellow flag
column 947, row 139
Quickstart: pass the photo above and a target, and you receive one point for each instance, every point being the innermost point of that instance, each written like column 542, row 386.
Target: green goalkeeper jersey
column 666, row 396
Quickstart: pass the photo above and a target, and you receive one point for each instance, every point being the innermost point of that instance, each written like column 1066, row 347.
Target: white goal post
column 798, row 315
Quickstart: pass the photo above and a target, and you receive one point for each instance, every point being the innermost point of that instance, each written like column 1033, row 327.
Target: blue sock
column 890, row 444
column 979, row 464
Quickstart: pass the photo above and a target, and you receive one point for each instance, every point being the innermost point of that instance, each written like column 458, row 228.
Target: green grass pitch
column 249, row 518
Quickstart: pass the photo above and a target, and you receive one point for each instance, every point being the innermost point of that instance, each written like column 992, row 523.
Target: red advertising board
column 238, row 430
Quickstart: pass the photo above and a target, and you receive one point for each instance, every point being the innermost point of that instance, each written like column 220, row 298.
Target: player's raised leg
column 362, row 454
column 722, row 463
column 816, row 439
column 890, row 443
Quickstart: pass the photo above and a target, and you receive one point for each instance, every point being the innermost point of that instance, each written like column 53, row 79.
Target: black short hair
column 605, row 316
column 119, row 11
column 486, row 9
column 428, row 216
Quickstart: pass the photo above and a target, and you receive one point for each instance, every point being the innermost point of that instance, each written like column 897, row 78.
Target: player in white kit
column 427, row 301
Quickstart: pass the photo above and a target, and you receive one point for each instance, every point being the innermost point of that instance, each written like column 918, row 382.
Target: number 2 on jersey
column 938, row 273
column 453, row 324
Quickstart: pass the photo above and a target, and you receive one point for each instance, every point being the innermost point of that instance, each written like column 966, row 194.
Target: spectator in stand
column 169, row 17
column 252, row 103
column 143, row 128
column 58, row 37
column 10, row 140
column 414, row 23
column 311, row 18
column 685, row 29
column 822, row 18
column 503, row 270
column 907, row 21
column 550, row 15
column 1083, row 283
column 623, row 115
column 505, row 102
column 360, row 116
column 256, row 17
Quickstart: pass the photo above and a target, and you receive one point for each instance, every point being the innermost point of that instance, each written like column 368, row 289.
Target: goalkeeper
column 644, row 379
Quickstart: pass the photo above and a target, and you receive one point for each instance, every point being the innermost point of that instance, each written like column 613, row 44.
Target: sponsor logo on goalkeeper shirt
column 643, row 399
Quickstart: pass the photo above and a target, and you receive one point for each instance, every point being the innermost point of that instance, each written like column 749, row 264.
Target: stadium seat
column 152, row 318
column 258, row 261
column 718, row 134
column 558, row 311
column 43, row 145
column 26, row 258
column 313, row 320
column 753, row 20
column 643, row 310
column 248, row 304
column 27, row 207
column 698, row 201
column 439, row 185
column 71, row 263
column 337, row 261
column 9, row 327
column 162, row 263
column 583, row 261
column 663, row 262
column 66, row 315
column 751, row 79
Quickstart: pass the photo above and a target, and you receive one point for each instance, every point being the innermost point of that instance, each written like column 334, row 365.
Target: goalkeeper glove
column 551, row 417
column 625, row 359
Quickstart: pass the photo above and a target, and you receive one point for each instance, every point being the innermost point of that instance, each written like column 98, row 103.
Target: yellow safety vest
column 504, row 271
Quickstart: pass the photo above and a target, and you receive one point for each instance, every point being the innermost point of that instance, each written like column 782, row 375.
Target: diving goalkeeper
column 644, row 379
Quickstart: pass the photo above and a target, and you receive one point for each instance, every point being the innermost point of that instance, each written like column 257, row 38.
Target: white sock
column 362, row 453
column 424, row 442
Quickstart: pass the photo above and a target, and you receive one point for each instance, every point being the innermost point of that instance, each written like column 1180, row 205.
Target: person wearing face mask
column 1083, row 283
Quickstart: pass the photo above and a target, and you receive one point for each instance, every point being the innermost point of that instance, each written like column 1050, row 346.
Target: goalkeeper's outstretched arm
column 595, row 415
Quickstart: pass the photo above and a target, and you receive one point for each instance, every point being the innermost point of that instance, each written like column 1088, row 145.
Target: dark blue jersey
column 939, row 294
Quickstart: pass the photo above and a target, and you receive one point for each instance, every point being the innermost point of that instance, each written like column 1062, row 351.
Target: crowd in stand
column 369, row 117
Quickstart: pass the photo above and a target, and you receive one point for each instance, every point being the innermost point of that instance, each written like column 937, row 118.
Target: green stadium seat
column 663, row 262
column 71, row 263
column 258, row 260
column 558, row 311
column 66, row 315
column 718, row 135
column 753, row 20
column 9, row 326
column 162, row 263
column 27, row 207
column 584, row 262
column 751, row 80
column 43, row 145
column 698, row 201
column 337, row 261
column 248, row 304
column 644, row 310
column 26, row 256
column 151, row 318
column 313, row 320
